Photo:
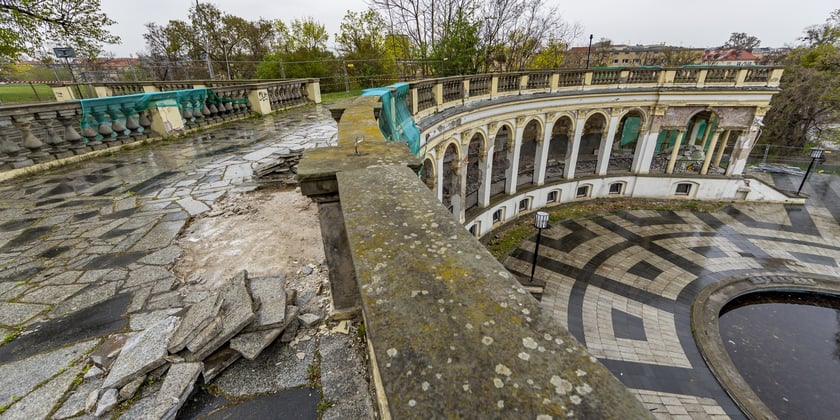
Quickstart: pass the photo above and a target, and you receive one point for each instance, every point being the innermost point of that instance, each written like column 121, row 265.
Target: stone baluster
column 131, row 123
column 12, row 155
column 58, row 145
column 105, row 129
column 186, row 111
column 118, row 119
column 90, row 133
column 30, row 140
column 76, row 144
column 146, row 124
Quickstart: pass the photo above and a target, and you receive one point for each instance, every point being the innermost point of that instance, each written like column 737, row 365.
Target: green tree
column 742, row 42
column 26, row 25
column 809, row 101
column 302, row 53
column 551, row 55
column 457, row 52
column 362, row 43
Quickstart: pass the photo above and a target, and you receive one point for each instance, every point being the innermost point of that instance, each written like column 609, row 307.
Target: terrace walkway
column 86, row 251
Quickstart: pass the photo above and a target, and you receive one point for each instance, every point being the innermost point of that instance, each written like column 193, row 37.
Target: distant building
column 729, row 57
column 632, row 55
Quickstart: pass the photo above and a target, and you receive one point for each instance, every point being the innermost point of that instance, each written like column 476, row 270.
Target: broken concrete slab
column 93, row 372
column 251, row 344
column 237, row 312
column 292, row 324
column 105, row 354
column 76, row 402
column 144, row 320
column 131, row 388
column 176, row 388
column 107, row 401
column 205, row 336
column 219, row 361
column 142, row 353
column 198, row 316
column 270, row 293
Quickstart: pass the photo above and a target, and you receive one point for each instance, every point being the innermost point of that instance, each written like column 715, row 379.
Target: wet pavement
column 86, row 249
column 623, row 284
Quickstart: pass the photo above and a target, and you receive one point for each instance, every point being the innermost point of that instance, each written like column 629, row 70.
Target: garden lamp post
column 816, row 153
column 540, row 222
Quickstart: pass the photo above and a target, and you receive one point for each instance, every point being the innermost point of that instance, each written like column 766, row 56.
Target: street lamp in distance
column 816, row 154
column 540, row 222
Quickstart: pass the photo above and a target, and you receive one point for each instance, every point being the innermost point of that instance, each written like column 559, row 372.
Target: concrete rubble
column 240, row 319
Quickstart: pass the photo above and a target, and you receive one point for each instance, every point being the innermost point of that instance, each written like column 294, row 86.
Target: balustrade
column 643, row 75
column 480, row 85
column 722, row 74
column 606, row 77
column 453, row 90
column 686, row 75
column 539, row 80
column 509, row 83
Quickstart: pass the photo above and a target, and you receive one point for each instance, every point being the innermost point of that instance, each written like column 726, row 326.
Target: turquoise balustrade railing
column 395, row 120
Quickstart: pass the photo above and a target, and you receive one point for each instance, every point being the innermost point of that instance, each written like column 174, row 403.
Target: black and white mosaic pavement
column 623, row 284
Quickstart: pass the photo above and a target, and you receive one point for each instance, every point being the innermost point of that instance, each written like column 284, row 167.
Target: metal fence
column 784, row 158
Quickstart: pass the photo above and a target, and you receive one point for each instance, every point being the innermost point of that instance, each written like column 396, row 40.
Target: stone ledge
column 453, row 334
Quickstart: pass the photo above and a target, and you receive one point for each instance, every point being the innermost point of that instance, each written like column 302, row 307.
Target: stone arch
column 531, row 137
column 631, row 125
column 695, row 143
column 451, row 190
column 594, row 128
column 562, row 134
column 501, row 162
column 476, row 149
column 428, row 173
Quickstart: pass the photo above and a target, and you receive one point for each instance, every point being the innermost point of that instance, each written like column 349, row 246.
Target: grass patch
column 12, row 335
column 502, row 241
column 334, row 96
column 23, row 93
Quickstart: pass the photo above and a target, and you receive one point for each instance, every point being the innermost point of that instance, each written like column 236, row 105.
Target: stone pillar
column 675, row 151
column 63, row 93
column 487, row 168
column 440, row 152
column 260, row 103
column 513, row 156
column 167, row 121
column 646, row 146
column 574, row 149
column 103, row 91
column 722, row 148
column 541, row 160
column 695, row 131
column 606, row 147
column 741, row 151
column 459, row 205
column 708, row 159
column 313, row 91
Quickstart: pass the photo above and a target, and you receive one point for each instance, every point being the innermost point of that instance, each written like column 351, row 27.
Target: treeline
column 394, row 39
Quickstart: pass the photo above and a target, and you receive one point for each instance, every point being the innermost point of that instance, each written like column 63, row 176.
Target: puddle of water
column 786, row 345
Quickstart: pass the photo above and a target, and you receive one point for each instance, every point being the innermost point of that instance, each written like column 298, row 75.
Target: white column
column 675, row 152
column 694, row 132
column 460, row 205
column 708, row 160
column 487, row 175
column 574, row 149
column 606, row 147
column 646, row 145
column 439, row 173
column 513, row 155
column 741, row 152
column 722, row 148
column 541, row 159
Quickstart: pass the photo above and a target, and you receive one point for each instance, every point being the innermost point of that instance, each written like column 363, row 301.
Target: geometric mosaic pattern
column 623, row 284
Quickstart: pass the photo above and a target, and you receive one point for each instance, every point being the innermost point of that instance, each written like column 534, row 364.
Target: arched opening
column 528, row 153
column 474, row 175
column 451, row 180
column 427, row 175
column 500, row 161
column 557, row 148
column 624, row 143
column 694, row 143
column 590, row 142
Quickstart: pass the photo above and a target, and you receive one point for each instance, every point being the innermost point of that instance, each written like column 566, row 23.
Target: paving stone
column 107, row 401
column 165, row 300
column 193, row 207
column 91, row 400
column 129, row 389
column 76, row 402
column 138, row 299
column 197, row 317
column 164, row 257
column 142, row 352
column 218, row 362
column 145, row 320
column 160, row 236
column 252, row 343
column 66, row 277
column 309, row 320
column 88, row 297
column 276, row 369
column 107, row 352
column 51, row 294
column 236, row 313
column 18, row 378
column 207, row 334
column 93, row 372
column 16, row 313
column 146, row 274
column 40, row 402
column 269, row 293
column 290, row 332
column 176, row 388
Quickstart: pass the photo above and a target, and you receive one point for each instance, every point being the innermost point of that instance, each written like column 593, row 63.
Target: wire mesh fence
column 791, row 159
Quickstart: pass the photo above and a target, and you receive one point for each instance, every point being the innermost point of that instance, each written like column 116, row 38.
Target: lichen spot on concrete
column 498, row 383
column 526, row 312
column 524, row 356
column 502, row 370
column 544, row 417
column 575, row 399
column 412, row 403
column 469, row 326
column 583, row 389
column 561, row 386
column 500, row 404
column 466, row 387
column 547, row 337
column 425, row 386
column 580, row 372
column 504, row 274
column 558, row 341
column 392, row 352
column 487, row 340
column 529, row 343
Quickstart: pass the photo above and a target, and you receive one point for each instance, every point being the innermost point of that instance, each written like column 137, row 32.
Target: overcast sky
column 704, row 23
